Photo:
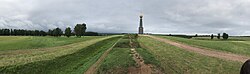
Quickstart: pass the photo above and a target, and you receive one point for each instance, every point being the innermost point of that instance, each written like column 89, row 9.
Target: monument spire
column 141, row 25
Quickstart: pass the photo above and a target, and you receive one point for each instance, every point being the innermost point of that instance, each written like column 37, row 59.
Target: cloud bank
column 160, row 16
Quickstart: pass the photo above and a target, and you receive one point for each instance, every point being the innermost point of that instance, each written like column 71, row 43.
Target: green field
column 75, row 63
column 33, row 42
column 175, row 60
column 237, row 45
column 62, row 55
column 118, row 60
column 19, row 57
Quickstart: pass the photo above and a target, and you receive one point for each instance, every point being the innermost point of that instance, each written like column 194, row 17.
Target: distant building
column 141, row 25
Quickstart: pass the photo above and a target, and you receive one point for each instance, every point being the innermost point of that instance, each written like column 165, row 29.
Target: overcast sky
column 160, row 16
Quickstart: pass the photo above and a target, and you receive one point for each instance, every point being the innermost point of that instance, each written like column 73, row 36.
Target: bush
column 218, row 36
column 212, row 36
column 225, row 36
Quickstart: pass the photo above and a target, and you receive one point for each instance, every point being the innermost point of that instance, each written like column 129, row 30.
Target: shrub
column 212, row 36
column 225, row 36
column 218, row 36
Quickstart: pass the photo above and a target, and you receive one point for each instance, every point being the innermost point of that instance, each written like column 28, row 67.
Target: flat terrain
column 71, row 58
column 217, row 54
column 118, row 60
column 116, row 54
column 33, row 42
column 176, row 60
column 236, row 45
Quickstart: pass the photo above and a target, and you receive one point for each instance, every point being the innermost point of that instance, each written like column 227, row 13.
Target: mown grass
column 148, row 57
column 178, row 61
column 117, row 62
column 76, row 63
column 120, row 58
column 235, row 45
column 123, row 43
column 33, row 42
column 20, row 57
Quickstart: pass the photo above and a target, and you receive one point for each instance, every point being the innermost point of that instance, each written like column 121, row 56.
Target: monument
column 140, row 25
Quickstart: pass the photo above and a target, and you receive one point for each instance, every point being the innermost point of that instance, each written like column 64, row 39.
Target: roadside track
column 217, row 54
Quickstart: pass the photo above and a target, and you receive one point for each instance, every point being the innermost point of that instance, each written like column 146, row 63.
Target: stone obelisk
column 141, row 25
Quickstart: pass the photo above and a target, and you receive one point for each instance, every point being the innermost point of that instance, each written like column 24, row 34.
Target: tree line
column 79, row 30
column 224, row 36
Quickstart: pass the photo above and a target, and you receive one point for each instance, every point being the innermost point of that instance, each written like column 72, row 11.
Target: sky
column 122, row 16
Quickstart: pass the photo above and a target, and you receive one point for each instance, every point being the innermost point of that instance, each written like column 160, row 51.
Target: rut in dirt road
column 222, row 55
column 142, row 68
column 94, row 67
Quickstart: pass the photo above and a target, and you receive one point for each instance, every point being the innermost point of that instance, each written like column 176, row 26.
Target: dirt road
column 142, row 68
column 95, row 66
column 222, row 55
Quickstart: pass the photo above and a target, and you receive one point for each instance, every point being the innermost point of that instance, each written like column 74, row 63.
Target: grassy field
column 118, row 60
column 33, row 42
column 175, row 60
column 19, row 57
column 237, row 45
column 75, row 63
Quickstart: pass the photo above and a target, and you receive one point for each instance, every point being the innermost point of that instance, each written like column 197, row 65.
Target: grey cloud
column 160, row 16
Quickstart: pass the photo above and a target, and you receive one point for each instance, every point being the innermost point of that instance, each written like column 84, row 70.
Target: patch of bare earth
column 217, row 54
column 94, row 67
column 141, row 67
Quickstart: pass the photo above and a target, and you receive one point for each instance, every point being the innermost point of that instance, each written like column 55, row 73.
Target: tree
column 218, row 36
column 196, row 35
column 80, row 29
column 57, row 32
column 212, row 36
column 225, row 36
column 50, row 32
column 68, row 32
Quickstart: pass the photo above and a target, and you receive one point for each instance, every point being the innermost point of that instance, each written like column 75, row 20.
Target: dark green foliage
column 57, row 32
column 80, row 29
column 22, row 32
column 196, row 35
column 68, row 32
column 225, row 36
column 76, row 63
column 91, row 34
column 50, row 32
column 218, row 36
column 212, row 36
